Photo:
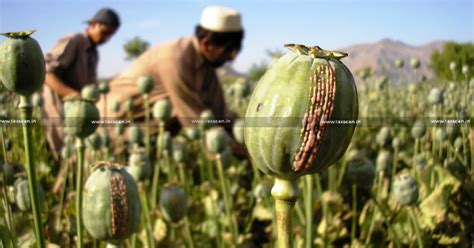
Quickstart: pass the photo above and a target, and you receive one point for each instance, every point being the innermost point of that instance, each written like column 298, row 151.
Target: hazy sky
column 268, row 24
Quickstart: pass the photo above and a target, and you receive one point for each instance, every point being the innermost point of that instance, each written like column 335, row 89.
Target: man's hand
column 59, row 87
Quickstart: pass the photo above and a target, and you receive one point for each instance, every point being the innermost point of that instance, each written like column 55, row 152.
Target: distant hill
column 382, row 54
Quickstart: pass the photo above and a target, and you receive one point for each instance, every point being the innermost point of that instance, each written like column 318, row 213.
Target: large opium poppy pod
column 111, row 205
column 286, row 127
column 289, row 127
column 22, row 67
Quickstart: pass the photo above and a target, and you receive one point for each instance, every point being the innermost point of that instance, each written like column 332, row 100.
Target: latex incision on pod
column 119, row 206
column 314, row 123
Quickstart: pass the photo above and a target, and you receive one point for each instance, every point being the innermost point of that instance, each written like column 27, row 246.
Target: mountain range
column 382, row 54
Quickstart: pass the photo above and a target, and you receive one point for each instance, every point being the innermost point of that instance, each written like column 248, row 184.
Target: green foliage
column 365, row 72
column 257, row 71
column 461, row 53
column 135, row 47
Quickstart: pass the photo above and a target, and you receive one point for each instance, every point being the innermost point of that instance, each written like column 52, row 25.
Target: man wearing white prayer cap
column 184, row 71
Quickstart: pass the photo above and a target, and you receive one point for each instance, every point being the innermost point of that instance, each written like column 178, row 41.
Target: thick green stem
column 172, row 177
column 395, row 163
column 146, row 217
column 341, row 173
column 309, row 210
column 285, row 194
column 156, row 171
column 147, row 123
column 63, row 192
column 26, row 113
column 386, row 219
column 133, row 242
column 188, row 233
column 332, row 179
column 354, row 213
column 464, row 147
column 377, row 187
column 79, row 185
column 172, row 234
column 227, row 200
column 417, row 227
column 299, row 213
column 182, row 175
column 471, row 141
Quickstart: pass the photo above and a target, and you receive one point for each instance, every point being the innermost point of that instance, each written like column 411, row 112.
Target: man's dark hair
column 231, row 39
column 106, row 16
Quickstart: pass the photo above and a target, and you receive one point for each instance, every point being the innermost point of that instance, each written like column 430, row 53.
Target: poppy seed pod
column 9, row 171
column 453, row 66
column 286, row 125
column 94, row 141
column 69, row 139
column 396, row 143
column 441, row 135
column 384, row 162
column 205, row 118
column 129, row 105
column 22, row 67
column 455, row 167
column 66, row 152
column 22, row 194
column 165, row 142
column 384, row 137
column 139, row 165
column 238, row 131
column 90, row 93
column 217, row 140
column 465, row 70
column 103, row 87
column 360, row 172
column 135, row 134
column 3, row 114
column 173, row 203
column 420, row 161
column 192, row 133
column 458, row 143
column 162, row 109
column 415, row 63
column 111, row 204
column 120, row 129
column 405, row 189
column 145, row 84
column 180, row 151
column 436, row 96
column 116, row 106
column 81, row 118
column 418, row 129
column 399, row 63
column 104, row 137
